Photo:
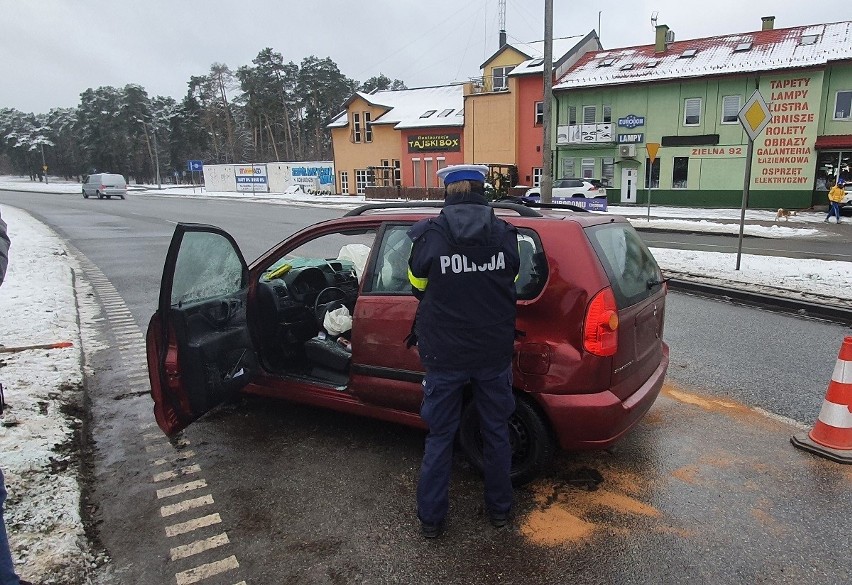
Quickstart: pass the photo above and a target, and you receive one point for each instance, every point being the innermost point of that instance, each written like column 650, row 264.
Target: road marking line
column 180, row 456
column 186, row 505
column 189, row 469
column 199, row 546
column 208, row 570
column 181, row 488
column 190, row 525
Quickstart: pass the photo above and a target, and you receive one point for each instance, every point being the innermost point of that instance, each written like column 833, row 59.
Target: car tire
column 122, row 196
column 529, row 434
column 85, row 195
column 846, row 211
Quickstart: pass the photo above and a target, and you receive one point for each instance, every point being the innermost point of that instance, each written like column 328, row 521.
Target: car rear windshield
column 633, row 273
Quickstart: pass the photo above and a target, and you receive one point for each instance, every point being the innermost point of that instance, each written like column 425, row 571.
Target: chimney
column 502, row 39
column 768, row 23
column 660, row 41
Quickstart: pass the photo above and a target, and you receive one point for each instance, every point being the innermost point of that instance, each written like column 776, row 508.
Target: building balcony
column 486, row 84
column 585, row 135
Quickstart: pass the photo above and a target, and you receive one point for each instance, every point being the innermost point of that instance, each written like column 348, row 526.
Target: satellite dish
column 654, row 19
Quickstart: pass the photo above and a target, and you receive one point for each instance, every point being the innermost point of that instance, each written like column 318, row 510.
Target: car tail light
column 600, row 332
column 102, row 187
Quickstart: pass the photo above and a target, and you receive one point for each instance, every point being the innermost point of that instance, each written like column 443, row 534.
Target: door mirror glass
column 207, row 266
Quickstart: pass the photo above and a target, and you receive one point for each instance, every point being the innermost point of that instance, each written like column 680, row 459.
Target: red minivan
column 321, row 319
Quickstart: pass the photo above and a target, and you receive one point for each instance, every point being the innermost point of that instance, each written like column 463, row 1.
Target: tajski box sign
column 435, row 143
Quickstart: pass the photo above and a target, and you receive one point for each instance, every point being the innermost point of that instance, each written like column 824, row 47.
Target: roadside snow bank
column 39, row 430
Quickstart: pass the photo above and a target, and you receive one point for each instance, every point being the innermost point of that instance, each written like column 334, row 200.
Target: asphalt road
column 706, row 490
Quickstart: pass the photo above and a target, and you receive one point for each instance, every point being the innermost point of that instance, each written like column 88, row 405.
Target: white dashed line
column 181, row 488
column 186, row 505
column 190, row 525
column 199, row 546
column 208, row 570
column 189, row 469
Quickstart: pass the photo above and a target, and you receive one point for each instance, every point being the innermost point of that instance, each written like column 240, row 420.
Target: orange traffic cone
column 831, row 436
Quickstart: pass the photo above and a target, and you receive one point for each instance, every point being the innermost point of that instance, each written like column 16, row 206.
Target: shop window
column 607, row 171
column 680, row 172
column 588, row 168
column 692, row 112
column 430, row 173
column 397, row 173
column 589, row 114
column 568, row 167
column 536, row 176
column 415, row 172
column 362, row 179
column 539, row 113
column 843, row 105
column 344, row 182
column 654, row 175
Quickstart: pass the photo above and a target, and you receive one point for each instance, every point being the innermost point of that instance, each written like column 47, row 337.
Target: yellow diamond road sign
column 755, row 115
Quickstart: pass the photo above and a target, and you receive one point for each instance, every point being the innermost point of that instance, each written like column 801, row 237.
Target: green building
column 685, row 96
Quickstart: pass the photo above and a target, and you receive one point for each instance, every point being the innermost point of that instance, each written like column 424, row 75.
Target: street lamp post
column 156, row 157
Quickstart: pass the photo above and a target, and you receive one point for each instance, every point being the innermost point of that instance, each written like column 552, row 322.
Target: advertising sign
column 631, row 138
column 593, row 204
column 251, row 178
column 435, row 143
column 631, row 121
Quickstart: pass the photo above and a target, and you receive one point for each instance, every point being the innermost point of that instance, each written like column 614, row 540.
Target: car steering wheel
column 320, row 309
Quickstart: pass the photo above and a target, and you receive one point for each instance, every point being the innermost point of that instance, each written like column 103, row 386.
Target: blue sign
column 631, row 121
column 631, row 138
column 194, row 165
column 592, row 204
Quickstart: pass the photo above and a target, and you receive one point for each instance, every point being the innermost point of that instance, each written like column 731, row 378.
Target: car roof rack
column 522, row 210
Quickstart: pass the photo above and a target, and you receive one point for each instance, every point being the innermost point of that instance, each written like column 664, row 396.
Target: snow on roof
column 803, row 46
column 535, row 50
column 408, row 108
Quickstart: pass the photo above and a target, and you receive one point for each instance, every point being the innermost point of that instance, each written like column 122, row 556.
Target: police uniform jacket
column 463, row 267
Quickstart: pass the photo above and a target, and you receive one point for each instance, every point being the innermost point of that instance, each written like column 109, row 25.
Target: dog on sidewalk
column 785, row 213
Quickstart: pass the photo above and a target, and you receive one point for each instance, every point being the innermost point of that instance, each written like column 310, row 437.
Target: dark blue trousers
column 7, row 571
column 441, row 410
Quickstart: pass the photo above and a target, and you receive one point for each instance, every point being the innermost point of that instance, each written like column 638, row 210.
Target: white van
column 103, row 185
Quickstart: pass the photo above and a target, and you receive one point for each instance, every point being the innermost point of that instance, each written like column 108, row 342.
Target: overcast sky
column 53, row 50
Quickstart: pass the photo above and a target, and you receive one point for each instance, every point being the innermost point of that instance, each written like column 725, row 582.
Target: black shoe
column 431, row 530
column 499, row 520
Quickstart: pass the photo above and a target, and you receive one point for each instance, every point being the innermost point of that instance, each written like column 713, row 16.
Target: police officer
column 462, row 268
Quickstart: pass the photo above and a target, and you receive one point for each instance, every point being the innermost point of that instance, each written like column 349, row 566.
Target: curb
column 797, row 307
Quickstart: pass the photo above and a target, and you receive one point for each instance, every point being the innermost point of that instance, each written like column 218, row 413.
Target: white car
column 572, row 187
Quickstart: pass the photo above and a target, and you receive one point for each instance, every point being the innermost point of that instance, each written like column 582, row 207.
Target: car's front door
column 198, row 344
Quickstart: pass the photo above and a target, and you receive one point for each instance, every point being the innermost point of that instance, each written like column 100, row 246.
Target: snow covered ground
column 44, row 387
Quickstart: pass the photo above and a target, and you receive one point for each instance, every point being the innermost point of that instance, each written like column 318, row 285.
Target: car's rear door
column 198, row 344
column 636, row 283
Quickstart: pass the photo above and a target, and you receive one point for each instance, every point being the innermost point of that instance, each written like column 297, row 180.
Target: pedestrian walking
column 462, row 268
column 7, row 568
column 835, row 196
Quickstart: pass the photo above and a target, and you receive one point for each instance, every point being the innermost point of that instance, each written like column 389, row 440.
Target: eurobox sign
column 631, row 121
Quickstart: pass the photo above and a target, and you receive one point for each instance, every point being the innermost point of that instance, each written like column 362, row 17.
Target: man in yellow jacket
column 835, row 196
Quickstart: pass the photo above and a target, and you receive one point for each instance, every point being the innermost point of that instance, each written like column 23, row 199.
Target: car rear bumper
column 596, row 421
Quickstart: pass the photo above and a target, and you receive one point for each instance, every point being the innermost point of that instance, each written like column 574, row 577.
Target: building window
column 427, row 113
column 368, row 128
column 692, row 112
column 654, row 175
column 356, row 127
column 344, row 182
column 362, row 179
column 537, row 173
column 607, row 171
column 587, row 167
column 568, row 167
column 589, row 114
column 607, row 114
column 730, row 109
column 680, row 171
column 572, row 115
column 415, row 172
column 539, row 113
column 442, row 162
column 843, row 105
column 397, row 173
column 501, row 77
column 430, row 172
column 446, row 113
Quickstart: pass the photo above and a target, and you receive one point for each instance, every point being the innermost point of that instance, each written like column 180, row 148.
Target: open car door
column 198, row 345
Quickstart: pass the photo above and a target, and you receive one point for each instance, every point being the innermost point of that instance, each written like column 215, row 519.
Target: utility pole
column 547, row 156
column 156, row 156
column 44, row 165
